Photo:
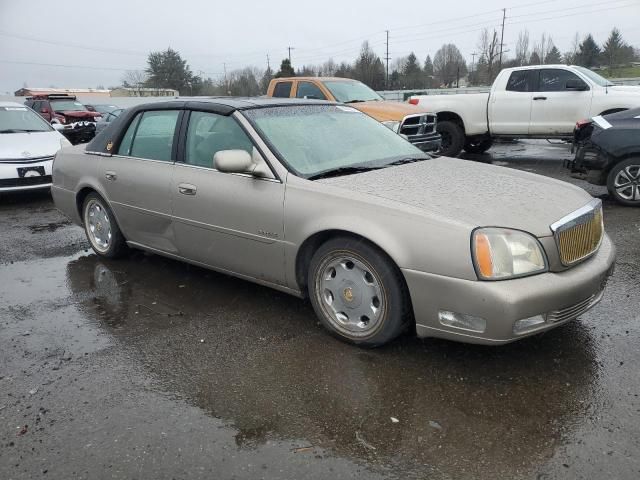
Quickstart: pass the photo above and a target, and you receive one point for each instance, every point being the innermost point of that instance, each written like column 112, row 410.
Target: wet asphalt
column 149, row 368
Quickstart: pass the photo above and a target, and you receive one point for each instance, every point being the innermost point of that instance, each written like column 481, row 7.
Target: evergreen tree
column 286, row 70
column 412, row 72
column 615, row 51
column 588, row 53
column 368, row 68
column 553, row 57
column 265, row 80
column 428, row 67
column 168, row 70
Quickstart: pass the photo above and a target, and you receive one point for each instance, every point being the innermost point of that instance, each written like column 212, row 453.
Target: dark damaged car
column 78, row 124
column 608, row 153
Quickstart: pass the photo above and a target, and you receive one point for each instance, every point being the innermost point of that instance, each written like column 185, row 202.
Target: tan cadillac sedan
column 320, row 200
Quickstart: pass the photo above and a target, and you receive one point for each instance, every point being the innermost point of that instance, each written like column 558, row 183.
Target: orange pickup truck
column 418, row 126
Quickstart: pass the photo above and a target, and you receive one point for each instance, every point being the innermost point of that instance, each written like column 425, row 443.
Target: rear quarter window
column 282, row 90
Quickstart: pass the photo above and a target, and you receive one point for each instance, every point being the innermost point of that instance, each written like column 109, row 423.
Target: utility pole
column 504, row 16
column 290, row 48
column 473, row 64
column 386, row 78
column 226, row 82
column 268, row 64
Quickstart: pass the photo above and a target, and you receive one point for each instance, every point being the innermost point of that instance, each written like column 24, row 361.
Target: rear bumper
column 590, row 163
column 558, row 297
column 428, row 142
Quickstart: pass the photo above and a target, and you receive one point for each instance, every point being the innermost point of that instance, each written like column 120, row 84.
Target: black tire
column 630, row 170
column 114, row 245
column 393, row 312
column 478, row 146
column 452, row 138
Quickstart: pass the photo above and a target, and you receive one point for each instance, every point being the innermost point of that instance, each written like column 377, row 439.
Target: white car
column 540, row 101
column 27, row 147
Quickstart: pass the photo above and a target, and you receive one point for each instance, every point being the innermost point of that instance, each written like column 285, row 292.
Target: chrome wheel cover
column 98, row 225
column 350, row 294
column 627, row 183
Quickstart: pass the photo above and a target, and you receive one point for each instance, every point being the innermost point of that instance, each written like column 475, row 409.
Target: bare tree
column 449, row 65
column 327, row 69
column 543, row 48
column 522, row 48
column 489, row 49
column 571, row 56
column 134, row 79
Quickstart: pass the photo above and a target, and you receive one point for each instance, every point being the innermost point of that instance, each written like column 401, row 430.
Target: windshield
column 594, row 77
column 21, row 119
column 313, row 139
column 346, row 91
column 105, row 108
column 67, row 105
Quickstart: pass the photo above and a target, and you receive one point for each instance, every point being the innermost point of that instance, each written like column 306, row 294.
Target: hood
column 24, row 146
column 78, row 114
column 384, row 111
column 625, row 89
column 475, row 194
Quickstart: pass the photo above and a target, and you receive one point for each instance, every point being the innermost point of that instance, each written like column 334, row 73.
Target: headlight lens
column 392, row 125
column 500, row 253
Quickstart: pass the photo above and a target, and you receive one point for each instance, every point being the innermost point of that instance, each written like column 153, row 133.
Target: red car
column 79, row 123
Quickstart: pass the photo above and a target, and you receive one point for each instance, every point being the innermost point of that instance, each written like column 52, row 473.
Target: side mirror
column 58, row 126
column 240, row 161
column 232, row 161
column 44, row 110
column 576, row 84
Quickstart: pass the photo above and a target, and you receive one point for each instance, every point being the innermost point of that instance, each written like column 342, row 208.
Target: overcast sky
column 117, row 35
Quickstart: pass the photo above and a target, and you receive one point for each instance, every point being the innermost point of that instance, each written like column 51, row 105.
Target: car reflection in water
column 267, row 368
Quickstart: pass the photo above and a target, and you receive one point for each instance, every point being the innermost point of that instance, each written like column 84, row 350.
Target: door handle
column 110, row 175
column 539, row 98
column 187, row 189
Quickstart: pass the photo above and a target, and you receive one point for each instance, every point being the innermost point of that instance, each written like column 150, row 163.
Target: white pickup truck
column 542, row 101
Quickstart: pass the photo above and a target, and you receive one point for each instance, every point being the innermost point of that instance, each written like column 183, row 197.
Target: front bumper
column 35, row 175
column 560, row 297
column 79, row 132
column 427, row 142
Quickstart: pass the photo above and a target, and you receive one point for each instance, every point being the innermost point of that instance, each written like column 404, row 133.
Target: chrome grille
column 413, row 125
column 574, row 311
column 578, row 235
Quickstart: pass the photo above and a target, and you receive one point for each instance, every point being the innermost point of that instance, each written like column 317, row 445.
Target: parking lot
column 146, row 367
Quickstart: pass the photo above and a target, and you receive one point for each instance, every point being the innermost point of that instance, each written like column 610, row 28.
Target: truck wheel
column 357, row 292
column 623, row 182
column 452, row 139
column 478, row 146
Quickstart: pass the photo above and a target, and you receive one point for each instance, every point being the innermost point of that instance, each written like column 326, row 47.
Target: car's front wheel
column 358, row 292
column 623, row 182
column 452, row 138
column 101, row 227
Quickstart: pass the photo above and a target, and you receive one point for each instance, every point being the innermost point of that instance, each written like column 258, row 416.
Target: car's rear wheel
column 452, row 138
column 478, row 145
column 623, row 182
column 101, row 227
column 357, row 292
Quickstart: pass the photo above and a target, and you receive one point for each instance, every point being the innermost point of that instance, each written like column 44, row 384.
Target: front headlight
column 501, row 253
column 392, row 125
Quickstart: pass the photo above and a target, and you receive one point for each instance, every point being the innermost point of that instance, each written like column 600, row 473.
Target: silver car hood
column 476, row 194
column 24, row 146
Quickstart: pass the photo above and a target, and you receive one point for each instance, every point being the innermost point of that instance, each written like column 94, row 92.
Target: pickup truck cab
column 542, row 101
column 415, row 123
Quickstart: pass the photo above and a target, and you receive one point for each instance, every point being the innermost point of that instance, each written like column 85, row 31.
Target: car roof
column 11, row 104
column 319, row 79
column 228, row 104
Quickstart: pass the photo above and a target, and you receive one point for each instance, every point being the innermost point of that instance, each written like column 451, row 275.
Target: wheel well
column 613, row 110
column 311, row 244
column 451, row 117
column 82, row 194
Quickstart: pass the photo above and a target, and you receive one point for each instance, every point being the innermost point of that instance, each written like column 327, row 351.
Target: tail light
column 582, row 123
column 414, row 101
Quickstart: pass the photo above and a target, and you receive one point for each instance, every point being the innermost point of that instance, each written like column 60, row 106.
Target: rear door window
column 150, row 135
column 309, row 90
column 282, row 89
column 519, row 81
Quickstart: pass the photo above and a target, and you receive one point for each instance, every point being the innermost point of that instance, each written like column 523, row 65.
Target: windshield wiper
column 402, row 161
column 355, row 101
column 337, row 172
column 13, row 130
